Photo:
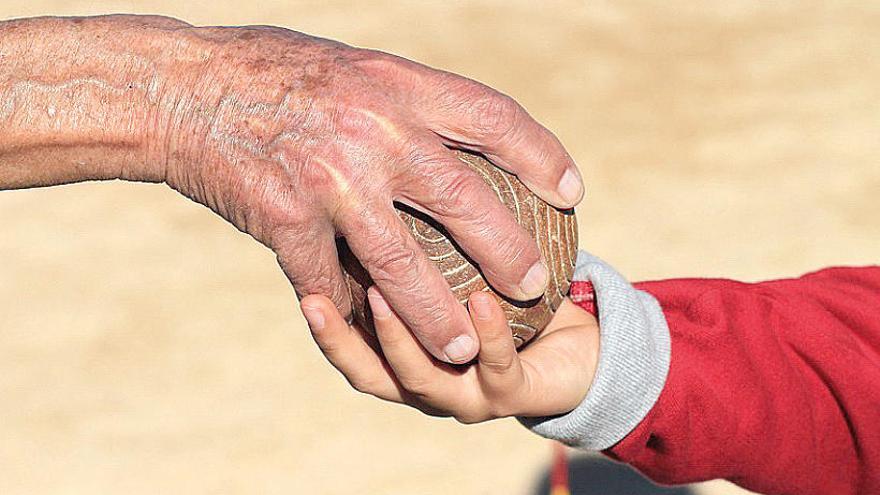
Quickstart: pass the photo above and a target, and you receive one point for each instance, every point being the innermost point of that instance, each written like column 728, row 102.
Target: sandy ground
column 147, row 347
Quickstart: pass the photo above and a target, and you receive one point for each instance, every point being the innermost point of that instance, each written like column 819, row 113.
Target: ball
column 554, row 230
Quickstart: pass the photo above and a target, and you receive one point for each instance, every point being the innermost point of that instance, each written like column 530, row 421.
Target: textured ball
column 554, row 230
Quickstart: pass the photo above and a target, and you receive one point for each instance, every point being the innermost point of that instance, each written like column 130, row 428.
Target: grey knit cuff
column 634, row 352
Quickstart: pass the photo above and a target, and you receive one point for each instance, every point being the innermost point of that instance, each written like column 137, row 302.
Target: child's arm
column 775, row 386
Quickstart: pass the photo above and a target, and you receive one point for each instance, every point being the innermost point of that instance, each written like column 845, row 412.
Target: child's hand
column 550, row 376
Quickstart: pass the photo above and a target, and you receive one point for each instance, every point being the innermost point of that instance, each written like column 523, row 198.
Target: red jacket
column 774, row 386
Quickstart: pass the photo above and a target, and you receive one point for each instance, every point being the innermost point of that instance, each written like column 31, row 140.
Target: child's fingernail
column 571, row 187
column 482, row 309
column 378, row 305
column 535, row 281
column 460, row 349
column 314, row 316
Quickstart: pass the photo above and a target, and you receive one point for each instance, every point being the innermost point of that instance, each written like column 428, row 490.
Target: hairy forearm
column 85, row 98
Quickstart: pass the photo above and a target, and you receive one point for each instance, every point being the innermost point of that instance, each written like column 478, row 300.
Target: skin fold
column 294, row 140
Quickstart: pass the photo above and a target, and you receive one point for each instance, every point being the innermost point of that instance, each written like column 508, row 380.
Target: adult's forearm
column 85, row 98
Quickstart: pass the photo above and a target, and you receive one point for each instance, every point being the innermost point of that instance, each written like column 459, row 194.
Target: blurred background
column 148, row 347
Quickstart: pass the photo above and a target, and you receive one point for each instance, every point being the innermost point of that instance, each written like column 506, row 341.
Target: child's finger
column 347, row 349
column 500, row 367
column 412, row 365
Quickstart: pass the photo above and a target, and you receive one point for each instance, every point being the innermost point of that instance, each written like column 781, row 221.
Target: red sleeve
column 774, row 386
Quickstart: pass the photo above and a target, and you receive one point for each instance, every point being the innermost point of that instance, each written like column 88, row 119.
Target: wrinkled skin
column 297, row 140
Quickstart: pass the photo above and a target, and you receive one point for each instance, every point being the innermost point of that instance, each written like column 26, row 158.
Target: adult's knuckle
column 355, row 123
column 327, row 178
column 391, row 260
column 372, row 125
column 378, row 64
column 458, row 191
column 419, row 152
column 495, row 116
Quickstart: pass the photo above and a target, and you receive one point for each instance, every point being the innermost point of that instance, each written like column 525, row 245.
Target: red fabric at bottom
column 582, row 294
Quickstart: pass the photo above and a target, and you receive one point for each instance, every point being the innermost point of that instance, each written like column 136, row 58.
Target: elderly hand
column 552, row 375
column 295, row 140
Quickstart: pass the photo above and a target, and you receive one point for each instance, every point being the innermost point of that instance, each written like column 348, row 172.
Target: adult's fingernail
column 571, row 187
column 314, row 316
column 480, row 303
column 535, row 281
column 378, row 304
column 460, row 349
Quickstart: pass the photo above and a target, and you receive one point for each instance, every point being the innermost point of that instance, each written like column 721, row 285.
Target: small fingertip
column 313, row 313
column 480, row 304
column 489, row 318
column 378, row 304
